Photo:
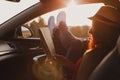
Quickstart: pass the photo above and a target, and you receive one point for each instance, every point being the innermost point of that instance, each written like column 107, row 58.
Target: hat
column 107, row 15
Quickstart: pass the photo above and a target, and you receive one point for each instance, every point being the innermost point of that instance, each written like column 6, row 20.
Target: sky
column 76, row 15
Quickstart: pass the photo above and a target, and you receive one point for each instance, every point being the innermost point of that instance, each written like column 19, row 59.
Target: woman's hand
column 65, row 62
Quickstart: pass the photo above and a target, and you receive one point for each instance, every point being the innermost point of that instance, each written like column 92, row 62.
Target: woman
column 103, row 36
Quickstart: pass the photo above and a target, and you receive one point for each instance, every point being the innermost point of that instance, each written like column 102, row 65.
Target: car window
column 10, row 9
column 76, row 17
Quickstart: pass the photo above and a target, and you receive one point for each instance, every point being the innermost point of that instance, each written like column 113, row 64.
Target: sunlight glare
column 71, row 4
column 76, row 15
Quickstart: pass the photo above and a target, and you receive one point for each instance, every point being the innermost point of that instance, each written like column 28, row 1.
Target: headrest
column 118, row 44
column 107, row 15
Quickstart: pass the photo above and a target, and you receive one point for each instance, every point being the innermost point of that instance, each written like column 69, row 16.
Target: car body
column 16, row 54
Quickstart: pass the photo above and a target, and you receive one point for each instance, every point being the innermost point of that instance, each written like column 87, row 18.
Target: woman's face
column 99, row 31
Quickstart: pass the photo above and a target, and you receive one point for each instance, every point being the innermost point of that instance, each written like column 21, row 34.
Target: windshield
column 76, row 14
column 10, row 9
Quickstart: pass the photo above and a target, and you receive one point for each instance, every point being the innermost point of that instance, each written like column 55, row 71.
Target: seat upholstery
column 109, row 68
column 118, row 45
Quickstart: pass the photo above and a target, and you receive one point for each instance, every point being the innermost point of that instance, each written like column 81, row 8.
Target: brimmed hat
column 108, row 15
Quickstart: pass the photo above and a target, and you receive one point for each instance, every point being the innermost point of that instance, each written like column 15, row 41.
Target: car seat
column 109, row 68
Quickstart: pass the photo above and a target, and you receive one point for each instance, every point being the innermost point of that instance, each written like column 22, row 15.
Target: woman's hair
column 91, row 44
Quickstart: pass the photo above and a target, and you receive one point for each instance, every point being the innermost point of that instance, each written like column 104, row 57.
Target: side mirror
column 26, row 32
column 13, row 0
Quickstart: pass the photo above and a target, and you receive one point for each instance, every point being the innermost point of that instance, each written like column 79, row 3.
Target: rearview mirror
column 13, row 0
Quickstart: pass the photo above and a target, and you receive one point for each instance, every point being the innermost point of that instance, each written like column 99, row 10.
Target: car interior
column 19, row 48
column 108, row 66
